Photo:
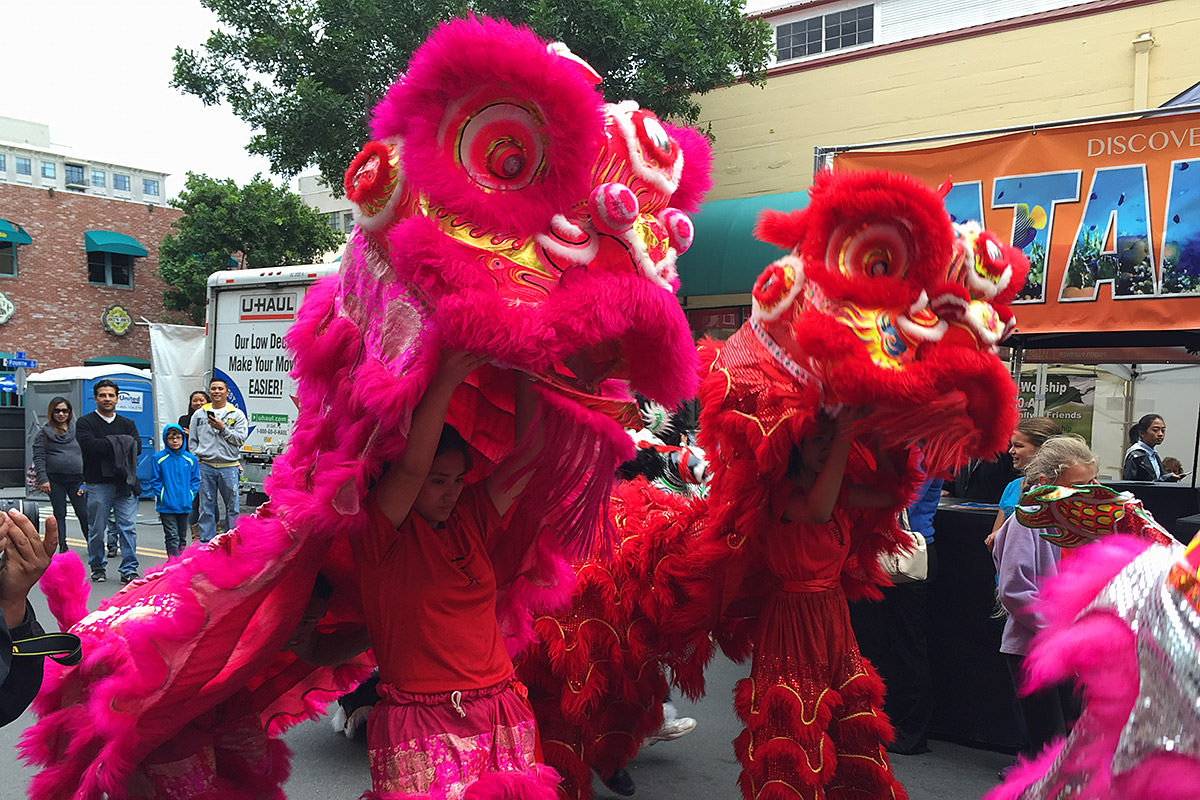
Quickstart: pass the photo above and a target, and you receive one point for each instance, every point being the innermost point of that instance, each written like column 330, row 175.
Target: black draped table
column 974, row 701
column 972, row 693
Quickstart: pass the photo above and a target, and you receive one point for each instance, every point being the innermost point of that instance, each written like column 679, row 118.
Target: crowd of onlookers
column 92, row 462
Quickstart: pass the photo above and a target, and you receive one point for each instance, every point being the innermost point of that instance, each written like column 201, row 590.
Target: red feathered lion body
column 881, row 308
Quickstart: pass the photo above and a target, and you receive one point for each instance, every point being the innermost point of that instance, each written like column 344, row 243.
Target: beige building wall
column 1077, row 67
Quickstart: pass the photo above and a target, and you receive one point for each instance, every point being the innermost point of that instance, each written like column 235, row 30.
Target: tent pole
column 1196, row 449
column 1016, row 362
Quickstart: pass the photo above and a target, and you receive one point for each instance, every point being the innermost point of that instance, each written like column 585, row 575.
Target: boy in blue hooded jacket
column 175, row 481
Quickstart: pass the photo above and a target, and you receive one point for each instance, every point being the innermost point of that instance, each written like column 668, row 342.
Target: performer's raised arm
column 817, row 478
column 397, row 490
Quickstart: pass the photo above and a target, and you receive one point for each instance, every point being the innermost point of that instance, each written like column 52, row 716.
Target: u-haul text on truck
column 248, row 314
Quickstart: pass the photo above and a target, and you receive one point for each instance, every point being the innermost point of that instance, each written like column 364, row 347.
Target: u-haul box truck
column 248, row 313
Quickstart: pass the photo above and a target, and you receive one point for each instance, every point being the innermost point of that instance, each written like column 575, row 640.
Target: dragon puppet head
column 883, row 302
column 503, row 207
column 554, row 219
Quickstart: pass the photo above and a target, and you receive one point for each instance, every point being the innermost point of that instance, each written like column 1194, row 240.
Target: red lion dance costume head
column 503, row 208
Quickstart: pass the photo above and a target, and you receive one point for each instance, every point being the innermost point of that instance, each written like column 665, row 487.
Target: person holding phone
column 25, row 557
column 218, row 431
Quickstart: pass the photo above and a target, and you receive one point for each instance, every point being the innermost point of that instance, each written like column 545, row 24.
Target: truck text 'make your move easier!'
column 279, row 362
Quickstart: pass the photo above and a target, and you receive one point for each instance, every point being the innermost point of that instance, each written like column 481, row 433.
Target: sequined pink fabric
column 438, row 745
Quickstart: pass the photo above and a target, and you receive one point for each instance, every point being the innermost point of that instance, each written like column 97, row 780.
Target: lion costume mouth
column 596, row 378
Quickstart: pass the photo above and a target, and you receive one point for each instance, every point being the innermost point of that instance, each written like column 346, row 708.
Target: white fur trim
column 580, row 251
column 622, row 113
column 797, row 264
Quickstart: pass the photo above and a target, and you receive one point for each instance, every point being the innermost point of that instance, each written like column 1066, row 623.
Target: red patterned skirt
column 476, row 744
column 812, row 706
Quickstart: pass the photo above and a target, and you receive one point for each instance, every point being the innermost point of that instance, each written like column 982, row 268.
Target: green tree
column 305, row 73
column 259, row 225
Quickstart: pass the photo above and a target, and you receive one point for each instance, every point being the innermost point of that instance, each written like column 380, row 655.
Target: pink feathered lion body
column 503, row 208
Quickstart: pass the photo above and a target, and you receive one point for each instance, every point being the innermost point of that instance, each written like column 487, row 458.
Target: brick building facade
column 64, row 278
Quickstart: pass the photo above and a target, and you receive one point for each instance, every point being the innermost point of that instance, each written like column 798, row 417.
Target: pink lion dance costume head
column 503, row 208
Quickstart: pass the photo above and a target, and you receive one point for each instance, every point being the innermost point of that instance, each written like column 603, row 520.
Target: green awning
column 725, row 257
column 124, row 361
column 112, row 242
column 13, row 233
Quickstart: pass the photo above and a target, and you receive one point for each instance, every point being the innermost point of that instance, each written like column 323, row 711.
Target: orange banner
column 1108, row 214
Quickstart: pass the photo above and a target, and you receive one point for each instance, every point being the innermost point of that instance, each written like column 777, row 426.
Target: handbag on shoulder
column 910, row 565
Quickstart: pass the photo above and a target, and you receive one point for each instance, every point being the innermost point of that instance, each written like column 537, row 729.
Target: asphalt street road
column 328, row 766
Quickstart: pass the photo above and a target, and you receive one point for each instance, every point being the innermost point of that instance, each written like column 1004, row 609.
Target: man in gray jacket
column 218, row 431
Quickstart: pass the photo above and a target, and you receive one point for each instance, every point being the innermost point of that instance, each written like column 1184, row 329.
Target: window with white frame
column 110, row 269
column 120, row 182
column 825, row 33
column 3, row 163
column 24, row 166
column 149, row 187
column 8, row 259
column 98, row 178
column 48, row 170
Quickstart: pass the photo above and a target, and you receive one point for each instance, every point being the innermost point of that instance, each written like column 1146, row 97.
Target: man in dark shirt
column 110, row 446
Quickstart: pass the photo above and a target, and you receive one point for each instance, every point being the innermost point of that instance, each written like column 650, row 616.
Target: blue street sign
column 19, row 360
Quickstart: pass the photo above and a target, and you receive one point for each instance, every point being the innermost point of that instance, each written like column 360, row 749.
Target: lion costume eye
column 876, row 250
column 501, row 147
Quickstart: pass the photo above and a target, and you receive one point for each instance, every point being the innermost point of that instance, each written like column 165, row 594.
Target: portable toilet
column 135, row 400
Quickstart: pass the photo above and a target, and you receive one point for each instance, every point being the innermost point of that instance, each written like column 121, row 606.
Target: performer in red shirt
column 453, row 721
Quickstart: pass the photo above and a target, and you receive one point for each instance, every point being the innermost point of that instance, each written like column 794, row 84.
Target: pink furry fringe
column 66, row 587
column 545, row 588
column 1065, row 596
column 1100, row 651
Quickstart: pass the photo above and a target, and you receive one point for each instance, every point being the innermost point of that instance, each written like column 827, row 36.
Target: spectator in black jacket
column 110, row 446
column 1141, row 459
column 26, row 556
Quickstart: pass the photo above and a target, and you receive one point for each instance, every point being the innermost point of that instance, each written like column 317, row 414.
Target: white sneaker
column 338, row 718
column 672, row 729
column 356, row 720
column 349, row 725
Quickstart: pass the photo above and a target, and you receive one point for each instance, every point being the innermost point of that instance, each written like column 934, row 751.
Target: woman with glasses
column 58, row 462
